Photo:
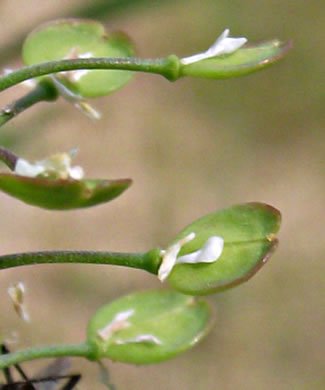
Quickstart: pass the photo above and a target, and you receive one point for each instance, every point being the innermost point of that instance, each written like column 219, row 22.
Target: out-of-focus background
column 191, row 147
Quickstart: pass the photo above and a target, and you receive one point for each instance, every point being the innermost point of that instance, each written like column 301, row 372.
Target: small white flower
column 17, row 294
column 58, row 165
column 209, row 253
column 119, row 322
column 223, row 45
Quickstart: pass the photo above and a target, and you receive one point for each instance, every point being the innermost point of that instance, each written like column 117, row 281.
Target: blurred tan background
column 191, row 147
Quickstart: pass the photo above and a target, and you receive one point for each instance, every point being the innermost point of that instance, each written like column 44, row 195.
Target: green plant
column 214, row 253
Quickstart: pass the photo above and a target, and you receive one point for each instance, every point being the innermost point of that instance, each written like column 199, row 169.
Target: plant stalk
column 167, row 67
column 8, row 158
column 13, row 358
column 149, row 261
column 42, row 92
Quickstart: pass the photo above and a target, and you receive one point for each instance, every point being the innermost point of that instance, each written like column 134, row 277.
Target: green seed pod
column 61, row 194
column 76, row 38
column 54, row 184
column 148, row 327
column 247, row 59
column 221, row 250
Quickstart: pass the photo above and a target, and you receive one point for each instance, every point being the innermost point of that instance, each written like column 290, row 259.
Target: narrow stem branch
column 8, row 158
column 42, row 92
column 18, row 357
column 167, row 67
column 149, row 261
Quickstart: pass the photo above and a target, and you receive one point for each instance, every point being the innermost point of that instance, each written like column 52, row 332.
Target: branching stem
column 42, row 92
column 8, row 158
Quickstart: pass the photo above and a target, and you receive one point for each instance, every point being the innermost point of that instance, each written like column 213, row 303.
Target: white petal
column 64, row 91
column 119, row 322
column 123, row 315
column 88, row 110
column 223, row 45
column 25, row 168
column 77, row 100
column 76, row 75
column 209, row 253
column 170, row 256
column 76, row 172
column 168, row 262
column 227, row 46
column 17, row 295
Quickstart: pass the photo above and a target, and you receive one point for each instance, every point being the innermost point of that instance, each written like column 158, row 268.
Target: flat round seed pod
column 76, row 38
column 248, row 232
column 148, row 327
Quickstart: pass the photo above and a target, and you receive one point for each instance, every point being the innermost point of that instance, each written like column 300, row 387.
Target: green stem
column 42, row 92
column 167, row 67
column 84, row 350
column 149, row 261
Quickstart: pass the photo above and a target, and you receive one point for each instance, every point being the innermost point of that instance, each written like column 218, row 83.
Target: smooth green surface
column 71, row 38
column 61, row 194
column 248, row 59
column 248, row 232
column 176, row 320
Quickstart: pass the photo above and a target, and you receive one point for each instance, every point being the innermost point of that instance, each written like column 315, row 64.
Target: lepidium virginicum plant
column 78, row 60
